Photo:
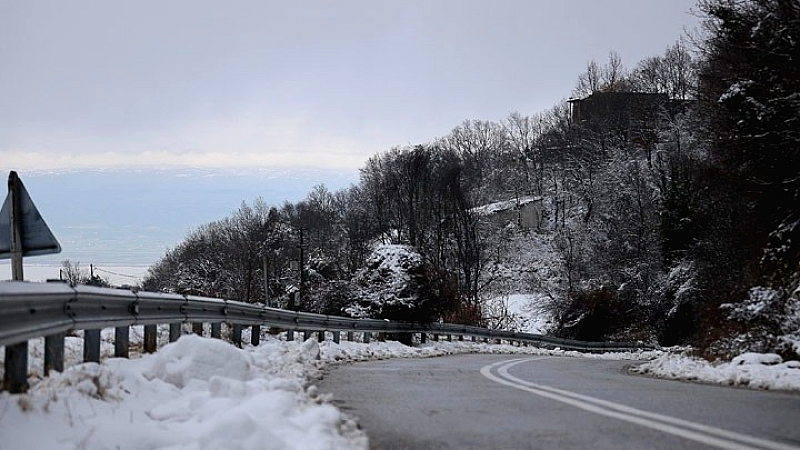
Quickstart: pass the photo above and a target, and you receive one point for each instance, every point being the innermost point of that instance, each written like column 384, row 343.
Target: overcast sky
column 222, row 84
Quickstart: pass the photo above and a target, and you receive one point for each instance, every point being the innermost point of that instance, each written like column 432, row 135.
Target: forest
column 665, row 195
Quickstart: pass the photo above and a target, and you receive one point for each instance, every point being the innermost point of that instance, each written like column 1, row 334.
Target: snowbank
column 205, row 393
column 195, row 393
column 753, row 370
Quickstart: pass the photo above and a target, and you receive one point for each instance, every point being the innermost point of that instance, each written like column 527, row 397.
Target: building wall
column 530, row 215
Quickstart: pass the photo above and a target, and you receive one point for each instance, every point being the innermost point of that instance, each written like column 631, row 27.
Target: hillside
column 657, row 204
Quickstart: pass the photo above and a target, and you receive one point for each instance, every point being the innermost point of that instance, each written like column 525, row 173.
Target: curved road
column 535, row 402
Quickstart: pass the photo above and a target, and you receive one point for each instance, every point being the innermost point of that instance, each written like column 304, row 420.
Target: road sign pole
column 15, row 222
column 16, row 358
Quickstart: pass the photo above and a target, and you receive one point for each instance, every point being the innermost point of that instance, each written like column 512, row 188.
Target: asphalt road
column 516, row 402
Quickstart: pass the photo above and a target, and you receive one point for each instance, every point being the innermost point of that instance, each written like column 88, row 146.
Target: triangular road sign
column 37, row 239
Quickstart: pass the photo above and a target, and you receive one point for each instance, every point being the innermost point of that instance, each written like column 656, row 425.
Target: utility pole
column 266, row 281
column 302, row 266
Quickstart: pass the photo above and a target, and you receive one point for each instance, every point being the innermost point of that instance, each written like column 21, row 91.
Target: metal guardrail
column 33, row 310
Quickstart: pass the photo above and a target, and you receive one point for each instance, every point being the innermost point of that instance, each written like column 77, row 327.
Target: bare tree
column 680, row 72
column 614, row 75
column 590, row 81
column 72, row 273
column 524, row 133
column 476, row 142
column 674, row 74
column 649, row 76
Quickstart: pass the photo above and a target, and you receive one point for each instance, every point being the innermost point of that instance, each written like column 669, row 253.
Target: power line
column 117, row 273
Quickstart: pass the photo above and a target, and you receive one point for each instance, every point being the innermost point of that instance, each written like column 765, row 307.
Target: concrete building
column 525, row 212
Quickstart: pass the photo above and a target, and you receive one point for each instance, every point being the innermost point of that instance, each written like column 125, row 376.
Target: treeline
column 743, row 220
column 673, row 209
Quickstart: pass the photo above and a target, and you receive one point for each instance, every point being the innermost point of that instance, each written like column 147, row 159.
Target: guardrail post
column 236, row 335
column 15, row 377
column 367, row 337
column 54, row 353
column 449, row 338
column 336, row 337
column 91, row 346
column 350, row 336
column 321, row 336
column 121, row 342
column 435, row 337
column 216, row 330
column 306, row 335
column 150, row 338
column 461, row 338
column 255, row 335
column 197, row 328
column 423, row 338
column 289, row 335
column 174, row 331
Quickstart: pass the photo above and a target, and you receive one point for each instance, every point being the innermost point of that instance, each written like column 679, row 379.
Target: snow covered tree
column 750, row 83
column 746, row 225
column 396, row 284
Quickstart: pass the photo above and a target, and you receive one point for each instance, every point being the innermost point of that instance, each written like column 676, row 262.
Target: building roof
column 506, row 205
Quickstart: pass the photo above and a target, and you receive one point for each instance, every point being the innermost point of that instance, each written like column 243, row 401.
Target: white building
column 525, row 212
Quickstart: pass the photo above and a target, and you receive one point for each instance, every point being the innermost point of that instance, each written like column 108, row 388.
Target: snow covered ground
column 204, row 393
column 522, row 282
column 528, row 313
column 753, row 370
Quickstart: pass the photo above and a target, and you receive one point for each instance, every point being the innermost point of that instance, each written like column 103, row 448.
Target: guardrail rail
column 49, row 310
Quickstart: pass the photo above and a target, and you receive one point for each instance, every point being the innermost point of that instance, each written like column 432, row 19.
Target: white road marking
column 704, row 434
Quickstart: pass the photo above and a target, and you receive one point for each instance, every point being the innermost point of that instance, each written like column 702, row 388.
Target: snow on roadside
column 205, row 393
column 195, row 393
column 752, row 370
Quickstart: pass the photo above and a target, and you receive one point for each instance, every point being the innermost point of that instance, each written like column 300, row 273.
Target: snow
column 194, row 393
column 205, row 393
column 528, row 313
column 753, row 370
column 493, row 208
column 750, row 358
column 522, row 282
column 386, row 280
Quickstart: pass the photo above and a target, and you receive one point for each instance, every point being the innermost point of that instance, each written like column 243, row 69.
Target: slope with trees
column 669, row 198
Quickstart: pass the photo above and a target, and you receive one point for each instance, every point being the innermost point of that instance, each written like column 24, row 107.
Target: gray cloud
column 345, row 78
